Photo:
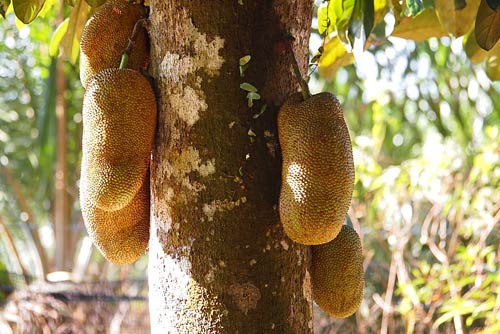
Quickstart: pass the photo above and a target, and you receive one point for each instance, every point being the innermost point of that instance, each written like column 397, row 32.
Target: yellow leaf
column 381, row 7
column 334, row 56
column 456, row 22
column 421, row 27
column 70, row 43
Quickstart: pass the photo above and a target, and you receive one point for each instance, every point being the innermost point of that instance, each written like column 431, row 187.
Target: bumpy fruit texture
column 122, row 236
column 106, row 35
column 318, row 169
column 119, row 117
column 337, row 275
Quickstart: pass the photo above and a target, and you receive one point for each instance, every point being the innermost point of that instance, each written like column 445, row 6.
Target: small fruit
column 106, row 35
column 318, row 169
column 119, row 117
column 337, row 276
column 122, row 236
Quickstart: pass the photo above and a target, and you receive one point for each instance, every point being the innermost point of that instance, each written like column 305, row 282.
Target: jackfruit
column 121, row 236
column 337, row 276
column 106, row 35
column 119, row 117
column 318, row 168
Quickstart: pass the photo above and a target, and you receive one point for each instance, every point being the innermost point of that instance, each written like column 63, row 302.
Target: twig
column 12, row 249
column 391, row 282
column 41, row 260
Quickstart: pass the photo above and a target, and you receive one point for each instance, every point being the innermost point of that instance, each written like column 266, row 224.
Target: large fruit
column 119, row 117
column 122, row 236
column 106, row 35
column 337, row 275
column 318, row 169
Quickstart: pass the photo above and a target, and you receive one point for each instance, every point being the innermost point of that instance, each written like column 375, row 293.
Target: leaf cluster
column 350, row 26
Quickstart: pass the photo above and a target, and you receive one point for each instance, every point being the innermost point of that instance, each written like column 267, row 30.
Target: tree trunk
column 219, row 261
column 63, row 255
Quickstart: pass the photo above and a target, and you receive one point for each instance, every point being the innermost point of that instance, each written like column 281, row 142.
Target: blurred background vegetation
column 424, row 122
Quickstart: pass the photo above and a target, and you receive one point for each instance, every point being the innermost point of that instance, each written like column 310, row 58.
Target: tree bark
column 219, row 261
column 63, row 250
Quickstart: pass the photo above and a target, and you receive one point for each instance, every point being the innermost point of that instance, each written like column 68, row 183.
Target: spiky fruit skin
column 122, row 236
column 106, row 35
column 337, row 276
column 119, row 117
column 317, row 176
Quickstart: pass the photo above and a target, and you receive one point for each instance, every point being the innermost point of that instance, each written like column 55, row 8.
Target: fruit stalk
column 304, row 88
column 131, row 41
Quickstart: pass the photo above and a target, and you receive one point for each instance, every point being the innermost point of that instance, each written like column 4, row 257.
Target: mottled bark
column 219, row 260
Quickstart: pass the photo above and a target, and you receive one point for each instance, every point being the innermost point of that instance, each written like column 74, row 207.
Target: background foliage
column 424, row 120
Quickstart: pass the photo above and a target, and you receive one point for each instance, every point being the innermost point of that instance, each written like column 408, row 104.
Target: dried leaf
column 421, row 27
column 456, row 22
column 487, row 27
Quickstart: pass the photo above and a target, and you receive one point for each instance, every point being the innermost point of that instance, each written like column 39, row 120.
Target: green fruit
column 318, row 169
column 122, row 236
column 119, row 117
column 337, row 276
column 106, row 35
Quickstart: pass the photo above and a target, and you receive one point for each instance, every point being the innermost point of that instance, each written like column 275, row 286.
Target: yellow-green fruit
column 317, row 176
column 337, row 276
column 122, row 236
column 106, row 35
column 119, row 117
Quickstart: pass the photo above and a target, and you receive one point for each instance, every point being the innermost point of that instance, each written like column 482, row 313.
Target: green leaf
column 456, row 22
column 487, row 27
column 70, row 42
column 248, row 87
column 252, row 96
column 323, row 18
column 27, row 10
column 244, row 60
column 4, row 4
column 334, row 56
column 332, row 17
column 414, row 7
column 262, row 110
column 343, row 10
column 421, row 27
column 57, row 37
column 362, row 20
column 381, row 8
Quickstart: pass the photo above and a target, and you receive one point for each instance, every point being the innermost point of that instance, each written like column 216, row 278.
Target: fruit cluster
column 119, row 119
column 316, row 190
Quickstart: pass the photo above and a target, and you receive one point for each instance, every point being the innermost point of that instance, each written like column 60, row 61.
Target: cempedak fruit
column 318, row 169
column 122, row 236
column 106, row 35
column 119, row 117
column 337, row 276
